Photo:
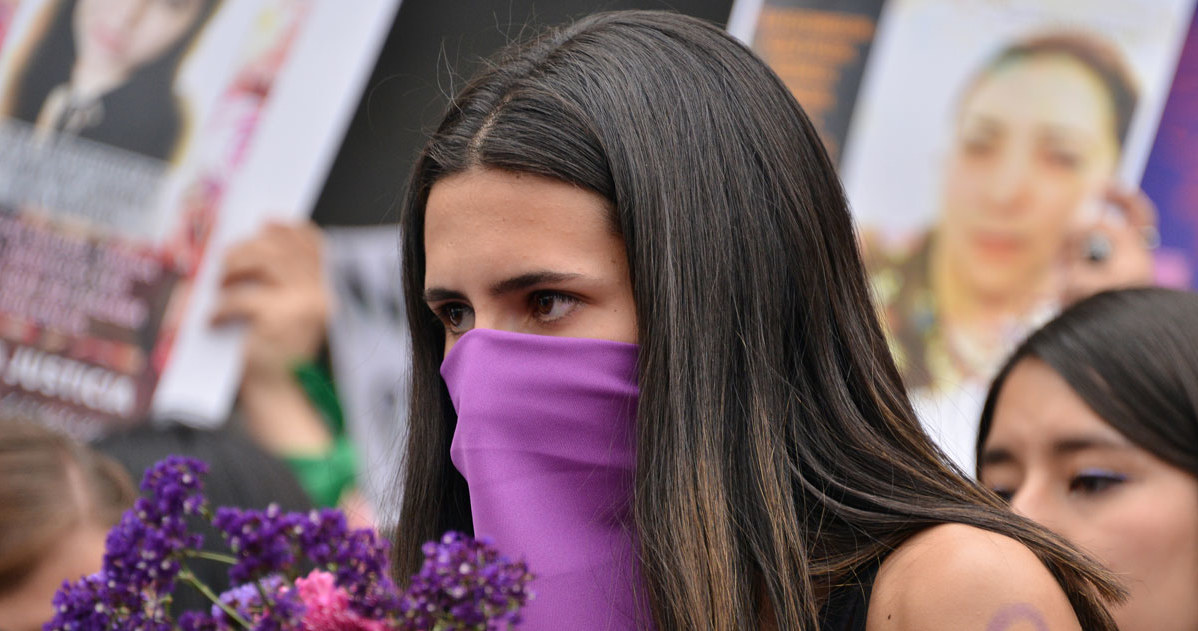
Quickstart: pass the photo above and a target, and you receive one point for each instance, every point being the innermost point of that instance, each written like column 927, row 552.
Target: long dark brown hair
column 1132, row 356
column 777, row 452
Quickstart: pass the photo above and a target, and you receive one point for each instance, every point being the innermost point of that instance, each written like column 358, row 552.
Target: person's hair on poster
column 105, row 70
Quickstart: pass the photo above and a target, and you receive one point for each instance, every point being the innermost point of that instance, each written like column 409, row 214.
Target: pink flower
column 327, row 606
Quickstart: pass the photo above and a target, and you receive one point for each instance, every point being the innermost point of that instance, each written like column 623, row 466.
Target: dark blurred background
column 433, row 47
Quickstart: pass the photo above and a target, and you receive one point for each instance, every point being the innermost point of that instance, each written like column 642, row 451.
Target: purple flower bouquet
column 464, row 584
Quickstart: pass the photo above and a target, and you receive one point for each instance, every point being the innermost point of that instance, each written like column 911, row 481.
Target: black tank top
column 848, row 604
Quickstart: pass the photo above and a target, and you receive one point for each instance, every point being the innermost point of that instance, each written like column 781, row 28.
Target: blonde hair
column 49, row 485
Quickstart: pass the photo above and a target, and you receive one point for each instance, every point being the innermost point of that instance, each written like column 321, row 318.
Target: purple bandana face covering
column 545, row 439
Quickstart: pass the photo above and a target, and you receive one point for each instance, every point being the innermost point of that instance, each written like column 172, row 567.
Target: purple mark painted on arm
column 1010, row 615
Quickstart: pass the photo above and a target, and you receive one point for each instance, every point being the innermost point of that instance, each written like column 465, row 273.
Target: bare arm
column 960, row 578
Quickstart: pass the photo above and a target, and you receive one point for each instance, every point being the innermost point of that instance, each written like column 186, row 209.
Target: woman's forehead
column 1051, row 90
column 1036, row 405
column 490, row 222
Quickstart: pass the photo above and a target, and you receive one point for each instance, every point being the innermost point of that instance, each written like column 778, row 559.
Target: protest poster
column 818, row 48
column 371, row 354
column 1171, row 176
column 980, row 137
column 136, row 141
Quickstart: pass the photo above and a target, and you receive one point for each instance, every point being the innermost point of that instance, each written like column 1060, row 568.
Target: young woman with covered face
column 646, row 360
column 1091, row 429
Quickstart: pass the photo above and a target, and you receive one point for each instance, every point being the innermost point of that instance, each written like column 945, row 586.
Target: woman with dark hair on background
column 1091, row 429
column 57, row 501
column 105, row 70
column 646, row 359
column 1028, row 220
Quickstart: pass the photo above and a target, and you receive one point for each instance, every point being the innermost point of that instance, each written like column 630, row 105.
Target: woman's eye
column 1064, row 160
column 979, row 142
column 456, row 316
column 977, row 147
column 1094, row 482
column 550, row 306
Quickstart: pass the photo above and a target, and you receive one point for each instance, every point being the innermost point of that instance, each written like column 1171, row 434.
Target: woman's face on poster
column 1035, row 144
column 119, row 36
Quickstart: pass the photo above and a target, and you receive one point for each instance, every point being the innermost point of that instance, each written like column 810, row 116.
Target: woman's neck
column 963, row 307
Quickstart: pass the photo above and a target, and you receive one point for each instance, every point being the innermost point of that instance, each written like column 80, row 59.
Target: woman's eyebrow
column 1068, row 134
column 1063, row 447
column 515, row 283
column 1073, row 445
column 531, row 279
column 995, row 456
column 983, row 123
column 440, row 294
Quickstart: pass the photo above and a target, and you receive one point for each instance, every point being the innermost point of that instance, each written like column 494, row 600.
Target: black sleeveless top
column 848, row 604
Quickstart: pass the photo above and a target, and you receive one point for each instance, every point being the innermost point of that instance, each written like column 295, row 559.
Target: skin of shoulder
column 960, row 578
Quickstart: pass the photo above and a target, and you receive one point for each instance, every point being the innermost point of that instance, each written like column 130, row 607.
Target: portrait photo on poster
column 128, row 130
column 992, row 155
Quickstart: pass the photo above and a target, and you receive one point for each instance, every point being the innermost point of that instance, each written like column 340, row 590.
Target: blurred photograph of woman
column 105, row 70
column 1091, row 429
column 1028, row 220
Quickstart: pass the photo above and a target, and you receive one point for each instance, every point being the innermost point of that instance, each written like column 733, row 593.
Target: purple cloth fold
column 546, row 441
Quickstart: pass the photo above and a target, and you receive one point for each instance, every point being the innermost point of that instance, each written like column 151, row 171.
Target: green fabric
column 325, row 477
column 318, row 385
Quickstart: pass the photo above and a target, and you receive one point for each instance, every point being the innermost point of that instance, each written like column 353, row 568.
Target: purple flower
column 141, row 558
column 176, row 487
column 283, row 612
column 267, row 542
column 263, row 541
column 95, row 603
column 320, row 533
column 153, row 620
column 357, row 558
column 363, row 571
column 196, row 621
column 82, row 606
column 143, row 551
column 246, row 599
column 465, row 584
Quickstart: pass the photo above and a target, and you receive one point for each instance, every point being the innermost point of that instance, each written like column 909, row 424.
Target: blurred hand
column 1116, row 250
column 274, row 282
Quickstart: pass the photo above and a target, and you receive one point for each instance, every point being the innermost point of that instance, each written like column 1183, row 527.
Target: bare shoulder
column 960, row 577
